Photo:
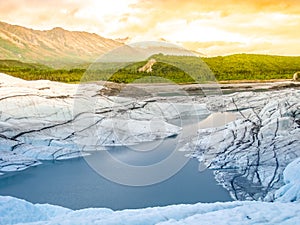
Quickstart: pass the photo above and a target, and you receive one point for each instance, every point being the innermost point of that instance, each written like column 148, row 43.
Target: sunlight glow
column 246, row 26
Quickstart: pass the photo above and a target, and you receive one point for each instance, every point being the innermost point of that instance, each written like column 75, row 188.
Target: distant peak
column 123, row 40
column 57, row 29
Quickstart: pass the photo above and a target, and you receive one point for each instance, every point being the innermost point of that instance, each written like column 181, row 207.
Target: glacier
column 255, row 155
column 44, row 120
column 248, row 155
column 282, row 211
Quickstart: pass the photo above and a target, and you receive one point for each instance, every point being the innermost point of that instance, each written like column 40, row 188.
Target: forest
column 178, row 69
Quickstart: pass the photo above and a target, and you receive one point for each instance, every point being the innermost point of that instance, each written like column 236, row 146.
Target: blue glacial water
column 74, row 184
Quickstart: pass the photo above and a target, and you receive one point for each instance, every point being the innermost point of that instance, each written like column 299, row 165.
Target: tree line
column 178, row 69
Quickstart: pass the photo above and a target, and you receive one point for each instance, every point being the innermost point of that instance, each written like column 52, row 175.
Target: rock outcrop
column 296, row 76
column 148, row 66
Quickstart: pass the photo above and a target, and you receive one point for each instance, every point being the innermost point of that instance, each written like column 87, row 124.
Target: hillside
column 166, row 68
column 51, row 46
column 189, row 69
column 253, row 67
column 179, row 69
column 18, row 65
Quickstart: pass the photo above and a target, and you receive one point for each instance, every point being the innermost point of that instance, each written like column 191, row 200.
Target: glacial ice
column 44, row 120
column 17, row 211
column 254, row 156
column 282, row 211
column 248, row 155
column 290, row 192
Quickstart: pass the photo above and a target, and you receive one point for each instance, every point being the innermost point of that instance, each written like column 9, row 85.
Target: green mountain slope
column 179, row 69
column 253, row 67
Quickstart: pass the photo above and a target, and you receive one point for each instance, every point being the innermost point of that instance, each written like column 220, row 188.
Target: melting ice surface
column 248, row 156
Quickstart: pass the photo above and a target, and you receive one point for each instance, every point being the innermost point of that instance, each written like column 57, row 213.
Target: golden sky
column 212, row 27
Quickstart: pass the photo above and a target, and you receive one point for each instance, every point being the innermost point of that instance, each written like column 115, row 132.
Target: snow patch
column 290, row 192
column 16, row 211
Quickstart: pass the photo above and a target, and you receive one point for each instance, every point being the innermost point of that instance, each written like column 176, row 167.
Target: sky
column 211, row 27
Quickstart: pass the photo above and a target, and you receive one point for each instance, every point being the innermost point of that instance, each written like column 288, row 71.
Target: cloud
column 227, row 48
column 89, row 15
column 227, row 7
column 221, row 26
column 241, row 26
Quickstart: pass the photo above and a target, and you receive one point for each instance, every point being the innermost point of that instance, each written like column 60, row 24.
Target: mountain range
column 58, row 47
column 51, row 46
